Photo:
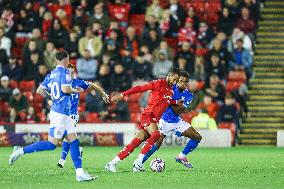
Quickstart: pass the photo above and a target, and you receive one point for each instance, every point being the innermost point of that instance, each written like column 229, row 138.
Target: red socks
column 150, row 142
column 129, row 148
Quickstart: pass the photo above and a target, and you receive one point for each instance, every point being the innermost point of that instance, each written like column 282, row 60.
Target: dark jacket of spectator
column 121, row 111
column 94, row 102
column 141, row 69
column 120, row 79
column 57, row 34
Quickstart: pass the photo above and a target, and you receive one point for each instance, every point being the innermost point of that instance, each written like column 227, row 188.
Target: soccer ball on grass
column 157, row 165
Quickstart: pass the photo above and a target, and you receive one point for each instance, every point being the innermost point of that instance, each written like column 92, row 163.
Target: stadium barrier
column 280, row 138
column 103, row 134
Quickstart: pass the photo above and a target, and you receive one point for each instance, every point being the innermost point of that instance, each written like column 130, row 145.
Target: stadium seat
column 29, row 95
column 4, row 107
column 41, row 116
column 13, row 84
column 27, row 85
column 37, row 107
column 137, row 19
column 83, row 96
column 20, row 41
column 92, row 118
column 188, row 116
column 22, row 116
column 172, row 42
column 237, row 76
column 164, row 3
column 201, row 85
column 231, row 126
column 82, row 107
column 233, row 85
column 38, row 98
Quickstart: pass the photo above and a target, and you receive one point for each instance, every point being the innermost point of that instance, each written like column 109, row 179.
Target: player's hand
column 106, row 98
column 49, row 102
column 180, row 102
column 116, row 98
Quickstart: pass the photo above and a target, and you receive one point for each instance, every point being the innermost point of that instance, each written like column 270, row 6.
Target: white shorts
column 60, row 125
column 166, row 128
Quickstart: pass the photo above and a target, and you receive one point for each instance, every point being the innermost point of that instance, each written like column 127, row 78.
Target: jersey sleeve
column 138, row 89
column 44, row 84
column 65, row 78
column 82, row 84
column 188, row 100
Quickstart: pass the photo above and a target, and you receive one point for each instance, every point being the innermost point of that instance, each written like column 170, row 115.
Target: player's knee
column 156, row 135
column 198, row 137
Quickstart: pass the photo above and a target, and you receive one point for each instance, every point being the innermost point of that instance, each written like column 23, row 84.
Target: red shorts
column 146, row 119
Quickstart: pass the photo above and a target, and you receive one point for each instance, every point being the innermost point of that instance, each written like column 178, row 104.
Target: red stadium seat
column 41, row 116
column 37, row 107
column 92, row 118
column 29, row 96
column 38, row 98
column 172, row 42
column 233, row 85
column 83, row 96
column 4, row 107
column 231, row 126
column 164, row 3
column 137, row 19
column 237, row 76
column 20, row 41
column 27, row 85
column 13, row 84
column 82, row 107
column 22, row 116
column 213, row 7
column 201, row 85
column 188, row 116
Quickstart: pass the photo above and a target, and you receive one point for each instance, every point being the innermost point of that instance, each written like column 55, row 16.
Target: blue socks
column 75, row 153
column 65, row 149
column 39, row 146
column 190, row 146
column 148, row 154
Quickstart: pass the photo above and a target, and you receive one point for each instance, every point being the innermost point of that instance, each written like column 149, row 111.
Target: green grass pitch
column 241, row 167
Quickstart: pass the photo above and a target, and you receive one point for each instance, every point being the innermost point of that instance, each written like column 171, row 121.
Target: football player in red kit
column 159, row 99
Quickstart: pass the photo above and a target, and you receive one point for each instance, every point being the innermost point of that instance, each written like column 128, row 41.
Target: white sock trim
column 115, row 160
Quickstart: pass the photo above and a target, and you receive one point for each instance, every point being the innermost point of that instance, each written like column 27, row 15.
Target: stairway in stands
column 266, row 96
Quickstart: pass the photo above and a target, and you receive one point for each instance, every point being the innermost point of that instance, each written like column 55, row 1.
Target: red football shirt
column 159, row 99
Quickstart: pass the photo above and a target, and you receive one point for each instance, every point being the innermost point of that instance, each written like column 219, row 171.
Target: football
column 157, row 165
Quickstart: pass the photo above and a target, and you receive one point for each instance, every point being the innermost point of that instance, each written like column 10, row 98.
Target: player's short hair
column 60, row 55
column 184, row 74
column 174, row 71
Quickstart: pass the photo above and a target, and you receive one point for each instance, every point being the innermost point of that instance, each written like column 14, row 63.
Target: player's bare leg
column 154, row 137
column 140, row 136
column 195, row 138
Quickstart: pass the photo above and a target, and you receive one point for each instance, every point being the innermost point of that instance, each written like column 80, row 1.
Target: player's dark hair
column 174, row 71
column 60, row 55
column 184, row 74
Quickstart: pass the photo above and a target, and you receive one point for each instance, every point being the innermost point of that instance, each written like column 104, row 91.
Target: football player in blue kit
column 172, row 122
column 74, row 108
column 61, row 125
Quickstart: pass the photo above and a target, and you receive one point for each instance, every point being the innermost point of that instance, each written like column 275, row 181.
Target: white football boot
column 17, row 153
column 84, row 176
column 138, row 166
column 110, row 167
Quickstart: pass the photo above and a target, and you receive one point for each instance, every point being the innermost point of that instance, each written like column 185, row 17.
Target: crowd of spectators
column 118, row 43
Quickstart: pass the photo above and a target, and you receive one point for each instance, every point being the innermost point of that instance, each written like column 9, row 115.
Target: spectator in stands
column 131, row 41
column 215, row 88
column 204, row 121
column 228, row 112
column 31, row 67
column 198, row 94
column 141, row 68
column 208, row 105
column 93, row 43
column 162, row 66
column 191, row 14
column 26, row 23
column 144, row 49
column 205, row 33
column 64, row 19
column 155, row 9
column 177, row 11
column 182, row 65
column 153, row 41
column 241, row 97
column 103, row 76
column 79, row 18
column 95, row 104
column 223, row 53
column 40, row 43
column 226, row 22
column 186, row 53
column 47, row 22
column 164, row 47
column 187, row 33
column 18, row 103
column 5, row 90
column 120, row 79
column 214, row 66
column 246, row 23
column 99, row 16
column 247, row 42
column 120, row 12
column 138, row 6
column 87, row 66
column 127, row 60
column 242, row 59
column 252, row 5
column 31, row 116
column 226, row 42
column 151, row 24
column 49, row 56
column 57, row 34
column 3, row 60
column 112, row 50
column 13, row 70
column 199, row 68
column 233, row 6
column 8, row 21
column 42, row 72
column 28, row 51
column 5, row 42
column 71, row 46
column 121, row 112
column 165, row 22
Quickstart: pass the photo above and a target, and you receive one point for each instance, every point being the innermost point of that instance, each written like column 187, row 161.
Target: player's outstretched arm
column 101, row 91
column 42, row 91
column 139, row 89
column 69, row 90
